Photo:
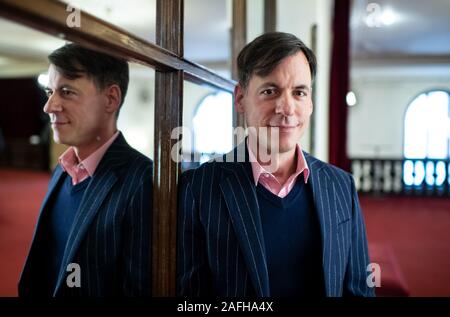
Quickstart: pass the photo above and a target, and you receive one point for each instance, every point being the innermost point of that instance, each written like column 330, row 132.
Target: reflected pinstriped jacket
column 110, row 236
column 221, row 246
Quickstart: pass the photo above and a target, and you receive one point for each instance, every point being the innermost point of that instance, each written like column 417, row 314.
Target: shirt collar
column 70, row 162
column 258, row 170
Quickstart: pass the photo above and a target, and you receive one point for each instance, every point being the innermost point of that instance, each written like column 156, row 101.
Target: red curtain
column 339, row 85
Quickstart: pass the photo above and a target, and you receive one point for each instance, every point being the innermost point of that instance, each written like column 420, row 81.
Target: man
column 281, row 224
column 93, row 233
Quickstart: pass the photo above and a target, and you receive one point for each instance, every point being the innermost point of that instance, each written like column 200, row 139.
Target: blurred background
column 381, row 111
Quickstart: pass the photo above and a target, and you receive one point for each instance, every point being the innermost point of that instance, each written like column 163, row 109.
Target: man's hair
column 263, row 54
column 73, row 60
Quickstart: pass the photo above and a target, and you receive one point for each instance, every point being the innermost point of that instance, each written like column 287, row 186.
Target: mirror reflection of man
column 288, row 226
column 97, row 211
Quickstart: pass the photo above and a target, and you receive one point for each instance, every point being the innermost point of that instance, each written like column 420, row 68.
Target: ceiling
column 401, row 29
column 419, row 31
column 202, row 44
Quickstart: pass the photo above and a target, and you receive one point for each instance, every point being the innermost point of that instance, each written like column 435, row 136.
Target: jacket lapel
column 100, row 185
column 324, row 194
column 240, row 197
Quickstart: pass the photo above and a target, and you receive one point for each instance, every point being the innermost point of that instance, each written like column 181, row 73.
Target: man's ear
column 113, row 96
column 239, row 93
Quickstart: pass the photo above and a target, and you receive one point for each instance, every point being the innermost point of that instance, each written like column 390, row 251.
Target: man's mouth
column 284, row 126
column 60, row 122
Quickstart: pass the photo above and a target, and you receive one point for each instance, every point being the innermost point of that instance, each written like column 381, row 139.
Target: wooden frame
column 312, row 123
column 168, row 115
column 103, row 36
column 270, row 16
column 166, row 57
column 238, row 41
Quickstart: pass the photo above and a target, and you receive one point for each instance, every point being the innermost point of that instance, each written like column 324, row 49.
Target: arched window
column 427, row 139
column 213, row 125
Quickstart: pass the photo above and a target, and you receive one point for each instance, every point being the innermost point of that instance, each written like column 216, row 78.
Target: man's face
column 77, row 109
column 279, row 101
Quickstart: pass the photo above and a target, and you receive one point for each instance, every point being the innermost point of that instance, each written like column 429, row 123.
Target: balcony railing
column 416, row 177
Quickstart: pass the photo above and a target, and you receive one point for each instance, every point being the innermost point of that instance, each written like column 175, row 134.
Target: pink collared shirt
column 79, row 171
column 269, row 181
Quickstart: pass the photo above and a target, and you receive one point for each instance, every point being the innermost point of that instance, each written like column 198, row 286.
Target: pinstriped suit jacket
column 221, row 248
column 110, row 237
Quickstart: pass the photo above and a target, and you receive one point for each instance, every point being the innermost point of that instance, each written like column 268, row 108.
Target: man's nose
column 53, row 104
column 285, row 105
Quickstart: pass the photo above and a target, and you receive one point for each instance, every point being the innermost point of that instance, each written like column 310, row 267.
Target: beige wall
column 376, row 122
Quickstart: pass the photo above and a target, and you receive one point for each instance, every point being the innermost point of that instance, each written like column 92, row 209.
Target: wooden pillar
column 270, row 16
column 312, row 122
column 168, row 115
column 238, row 41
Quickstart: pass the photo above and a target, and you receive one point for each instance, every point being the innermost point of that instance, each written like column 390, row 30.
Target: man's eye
column 268, row 92
column 66, row 92
column 48, row 93
column 300, row 93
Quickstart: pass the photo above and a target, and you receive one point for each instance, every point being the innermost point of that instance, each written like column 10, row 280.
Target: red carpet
column 21, row 193
column 417, row 230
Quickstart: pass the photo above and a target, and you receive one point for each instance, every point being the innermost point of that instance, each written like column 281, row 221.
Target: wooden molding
column 270, row 16
column 49, row 16
column 238, row 41
column 168, row 115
